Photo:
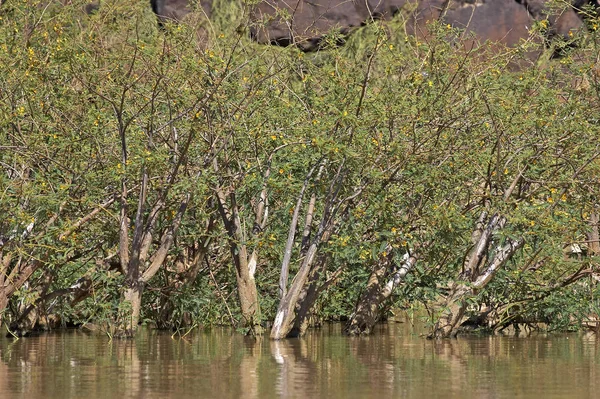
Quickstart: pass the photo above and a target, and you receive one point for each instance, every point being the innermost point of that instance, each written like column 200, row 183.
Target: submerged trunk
column 245, row 265
column 366, row 312
column 286, row 311
column 250, row 309
column 380, row 287
column 306, row 302
column 247, row 292
column 455, row 304
column 3, row 305
column 129, row 314
column 40, row 314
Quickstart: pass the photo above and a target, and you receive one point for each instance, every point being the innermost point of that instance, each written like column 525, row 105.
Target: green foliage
column 428, row 133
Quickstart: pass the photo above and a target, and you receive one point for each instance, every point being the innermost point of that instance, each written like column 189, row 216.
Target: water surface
column 393, row 363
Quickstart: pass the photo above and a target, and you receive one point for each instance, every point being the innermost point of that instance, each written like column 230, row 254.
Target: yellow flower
column 550, row 200
column 273, row 137
column 563, row 198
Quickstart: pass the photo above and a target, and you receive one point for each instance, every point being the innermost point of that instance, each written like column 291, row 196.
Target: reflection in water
column 222, row 364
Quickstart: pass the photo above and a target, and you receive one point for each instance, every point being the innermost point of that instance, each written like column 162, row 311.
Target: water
column 393, row 363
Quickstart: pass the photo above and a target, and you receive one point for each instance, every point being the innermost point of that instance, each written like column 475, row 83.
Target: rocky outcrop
column 176, row 10
column 504, row 21
column 305, row 22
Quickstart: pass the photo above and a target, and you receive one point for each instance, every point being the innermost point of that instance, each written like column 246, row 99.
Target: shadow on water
column 394, row 362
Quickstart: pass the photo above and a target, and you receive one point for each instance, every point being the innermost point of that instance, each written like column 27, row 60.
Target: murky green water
column 394, row 363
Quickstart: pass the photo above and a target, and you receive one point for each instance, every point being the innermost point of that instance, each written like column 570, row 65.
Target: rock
column 176, row 10
column 305, row 22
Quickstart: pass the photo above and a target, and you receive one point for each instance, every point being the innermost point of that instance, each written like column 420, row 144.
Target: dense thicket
column 190, row 177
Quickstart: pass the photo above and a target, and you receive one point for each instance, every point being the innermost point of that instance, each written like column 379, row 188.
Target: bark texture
column 386, row 276
column 477, row 273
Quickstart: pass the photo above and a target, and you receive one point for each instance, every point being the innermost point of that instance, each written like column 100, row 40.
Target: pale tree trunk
column 304, row 317
column 137, row 278
column 245, row 259
column 454, row 306
column 245, row 265
column 386, row 276
column 286, row 311
column 129, row 317
column 136, row 264
column 285, row 323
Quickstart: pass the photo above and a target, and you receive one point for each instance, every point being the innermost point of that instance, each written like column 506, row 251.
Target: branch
column 500, row 258
column 287, row 254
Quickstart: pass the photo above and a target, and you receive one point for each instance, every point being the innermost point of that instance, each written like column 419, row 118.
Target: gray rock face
column 305, row 22
column 176, row 10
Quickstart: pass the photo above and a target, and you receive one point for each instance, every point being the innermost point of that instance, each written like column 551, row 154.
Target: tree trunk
column 380, row 287
column 284, row 318
column 455, row 304
column 306, row 302
column 366, row 312
column 129, row 314
column 249, row 305
column 3, row 305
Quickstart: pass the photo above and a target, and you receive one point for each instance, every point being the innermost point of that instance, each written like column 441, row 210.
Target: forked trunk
column 455, row 304
column 380, row 287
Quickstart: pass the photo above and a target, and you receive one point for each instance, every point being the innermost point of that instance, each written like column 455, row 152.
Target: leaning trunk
column 380, row 287
column 366, row 312
column 455, row 304
column 306, row 302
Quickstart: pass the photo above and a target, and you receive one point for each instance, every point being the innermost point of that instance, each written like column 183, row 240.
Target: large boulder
column 305, row 22
column 502, row 21
column 176, row 10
